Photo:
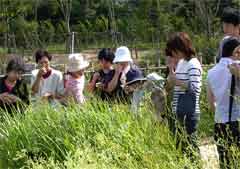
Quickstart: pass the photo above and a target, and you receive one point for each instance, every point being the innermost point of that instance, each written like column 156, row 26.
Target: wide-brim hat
column 122, row 54
column 76, row 62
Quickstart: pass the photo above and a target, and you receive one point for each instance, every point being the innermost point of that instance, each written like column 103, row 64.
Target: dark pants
column 227, row 136
column 186, row 134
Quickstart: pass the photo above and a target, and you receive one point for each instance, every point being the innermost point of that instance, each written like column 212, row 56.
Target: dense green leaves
column 31, row 24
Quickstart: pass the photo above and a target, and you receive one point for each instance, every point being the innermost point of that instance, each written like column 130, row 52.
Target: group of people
column 224, row 90
column 48, row 84
column 184, row 82
column 117, row 69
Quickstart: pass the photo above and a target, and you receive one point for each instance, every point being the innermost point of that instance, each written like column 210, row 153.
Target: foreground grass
column 91, row 136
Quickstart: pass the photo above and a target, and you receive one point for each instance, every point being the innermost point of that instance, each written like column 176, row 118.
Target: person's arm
column 5, row 98
column 195, row 79
column 211, row 98
column 92, row 84
column 172, row 80
column 37, row 80
column 111, row 86
column 36, row 85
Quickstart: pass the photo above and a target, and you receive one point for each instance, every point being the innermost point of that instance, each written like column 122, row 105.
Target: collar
column 107, row 70
column 226, row 61
column 46, row 75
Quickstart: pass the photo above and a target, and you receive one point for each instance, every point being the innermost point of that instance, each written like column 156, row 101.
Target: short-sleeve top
column 52, row 84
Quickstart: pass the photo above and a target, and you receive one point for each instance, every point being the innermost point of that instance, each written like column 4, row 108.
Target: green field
column 95, row 135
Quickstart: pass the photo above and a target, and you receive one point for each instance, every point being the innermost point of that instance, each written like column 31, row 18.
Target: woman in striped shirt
column 185, row 79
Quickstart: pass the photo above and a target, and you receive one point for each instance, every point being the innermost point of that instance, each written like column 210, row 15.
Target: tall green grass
column 95, row 135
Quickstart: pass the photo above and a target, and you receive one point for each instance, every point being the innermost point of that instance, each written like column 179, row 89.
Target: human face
column 230, row 29
column 44, row 62
column 105, row 64
column 123, row 64
column 13, row 75
column 177, row 55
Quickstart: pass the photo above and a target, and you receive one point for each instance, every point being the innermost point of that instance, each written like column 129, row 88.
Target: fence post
column 200, row 57
column 72, row 42
column 136, row 53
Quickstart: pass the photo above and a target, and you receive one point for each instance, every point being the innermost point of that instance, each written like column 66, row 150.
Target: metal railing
column 28, row 76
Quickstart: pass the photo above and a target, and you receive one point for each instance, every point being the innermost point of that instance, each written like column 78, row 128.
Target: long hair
column 181, row 42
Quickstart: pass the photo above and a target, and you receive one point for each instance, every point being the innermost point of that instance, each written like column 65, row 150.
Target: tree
column 66, row 8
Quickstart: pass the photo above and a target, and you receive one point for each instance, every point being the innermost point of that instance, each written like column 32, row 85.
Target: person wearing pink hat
column 76, row 79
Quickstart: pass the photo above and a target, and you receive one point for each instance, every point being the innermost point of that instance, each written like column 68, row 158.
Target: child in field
column 76, row 79
column 14, row 94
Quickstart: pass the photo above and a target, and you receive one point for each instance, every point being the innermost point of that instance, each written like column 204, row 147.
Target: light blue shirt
column 219, row 81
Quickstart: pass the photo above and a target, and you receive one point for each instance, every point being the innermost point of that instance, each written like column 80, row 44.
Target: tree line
column 29, row 24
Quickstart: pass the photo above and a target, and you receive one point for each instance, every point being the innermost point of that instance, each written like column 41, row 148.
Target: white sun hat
column 76, row 62
column 122, row 54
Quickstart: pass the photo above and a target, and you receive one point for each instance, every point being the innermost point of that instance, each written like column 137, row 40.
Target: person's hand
column 92, row 84
column 8, row 98
column 131, row 88
column 48, row 95
column 127, row 89
column 172, row 77
column 119, row 69
column 99, row 85
column 171, row 63
column 41, row 72
column 96, row 76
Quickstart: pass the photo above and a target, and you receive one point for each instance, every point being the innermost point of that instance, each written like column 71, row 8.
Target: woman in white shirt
column 186, row 82
column 47, row 83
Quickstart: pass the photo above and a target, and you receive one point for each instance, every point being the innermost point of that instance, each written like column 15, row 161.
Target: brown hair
column 181, row 41
column 42, row 53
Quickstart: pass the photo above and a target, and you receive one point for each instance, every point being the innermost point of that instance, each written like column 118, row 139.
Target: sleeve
column 195, row 78
column 33, row 78
column 60, row 85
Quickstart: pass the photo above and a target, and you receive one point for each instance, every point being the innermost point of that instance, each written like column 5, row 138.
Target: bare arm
column 36, row 83
column 113, row 83
column 92, row 84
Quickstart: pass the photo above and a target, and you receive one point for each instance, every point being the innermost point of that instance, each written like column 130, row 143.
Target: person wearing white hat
column 125, row 72
column 76, row 79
